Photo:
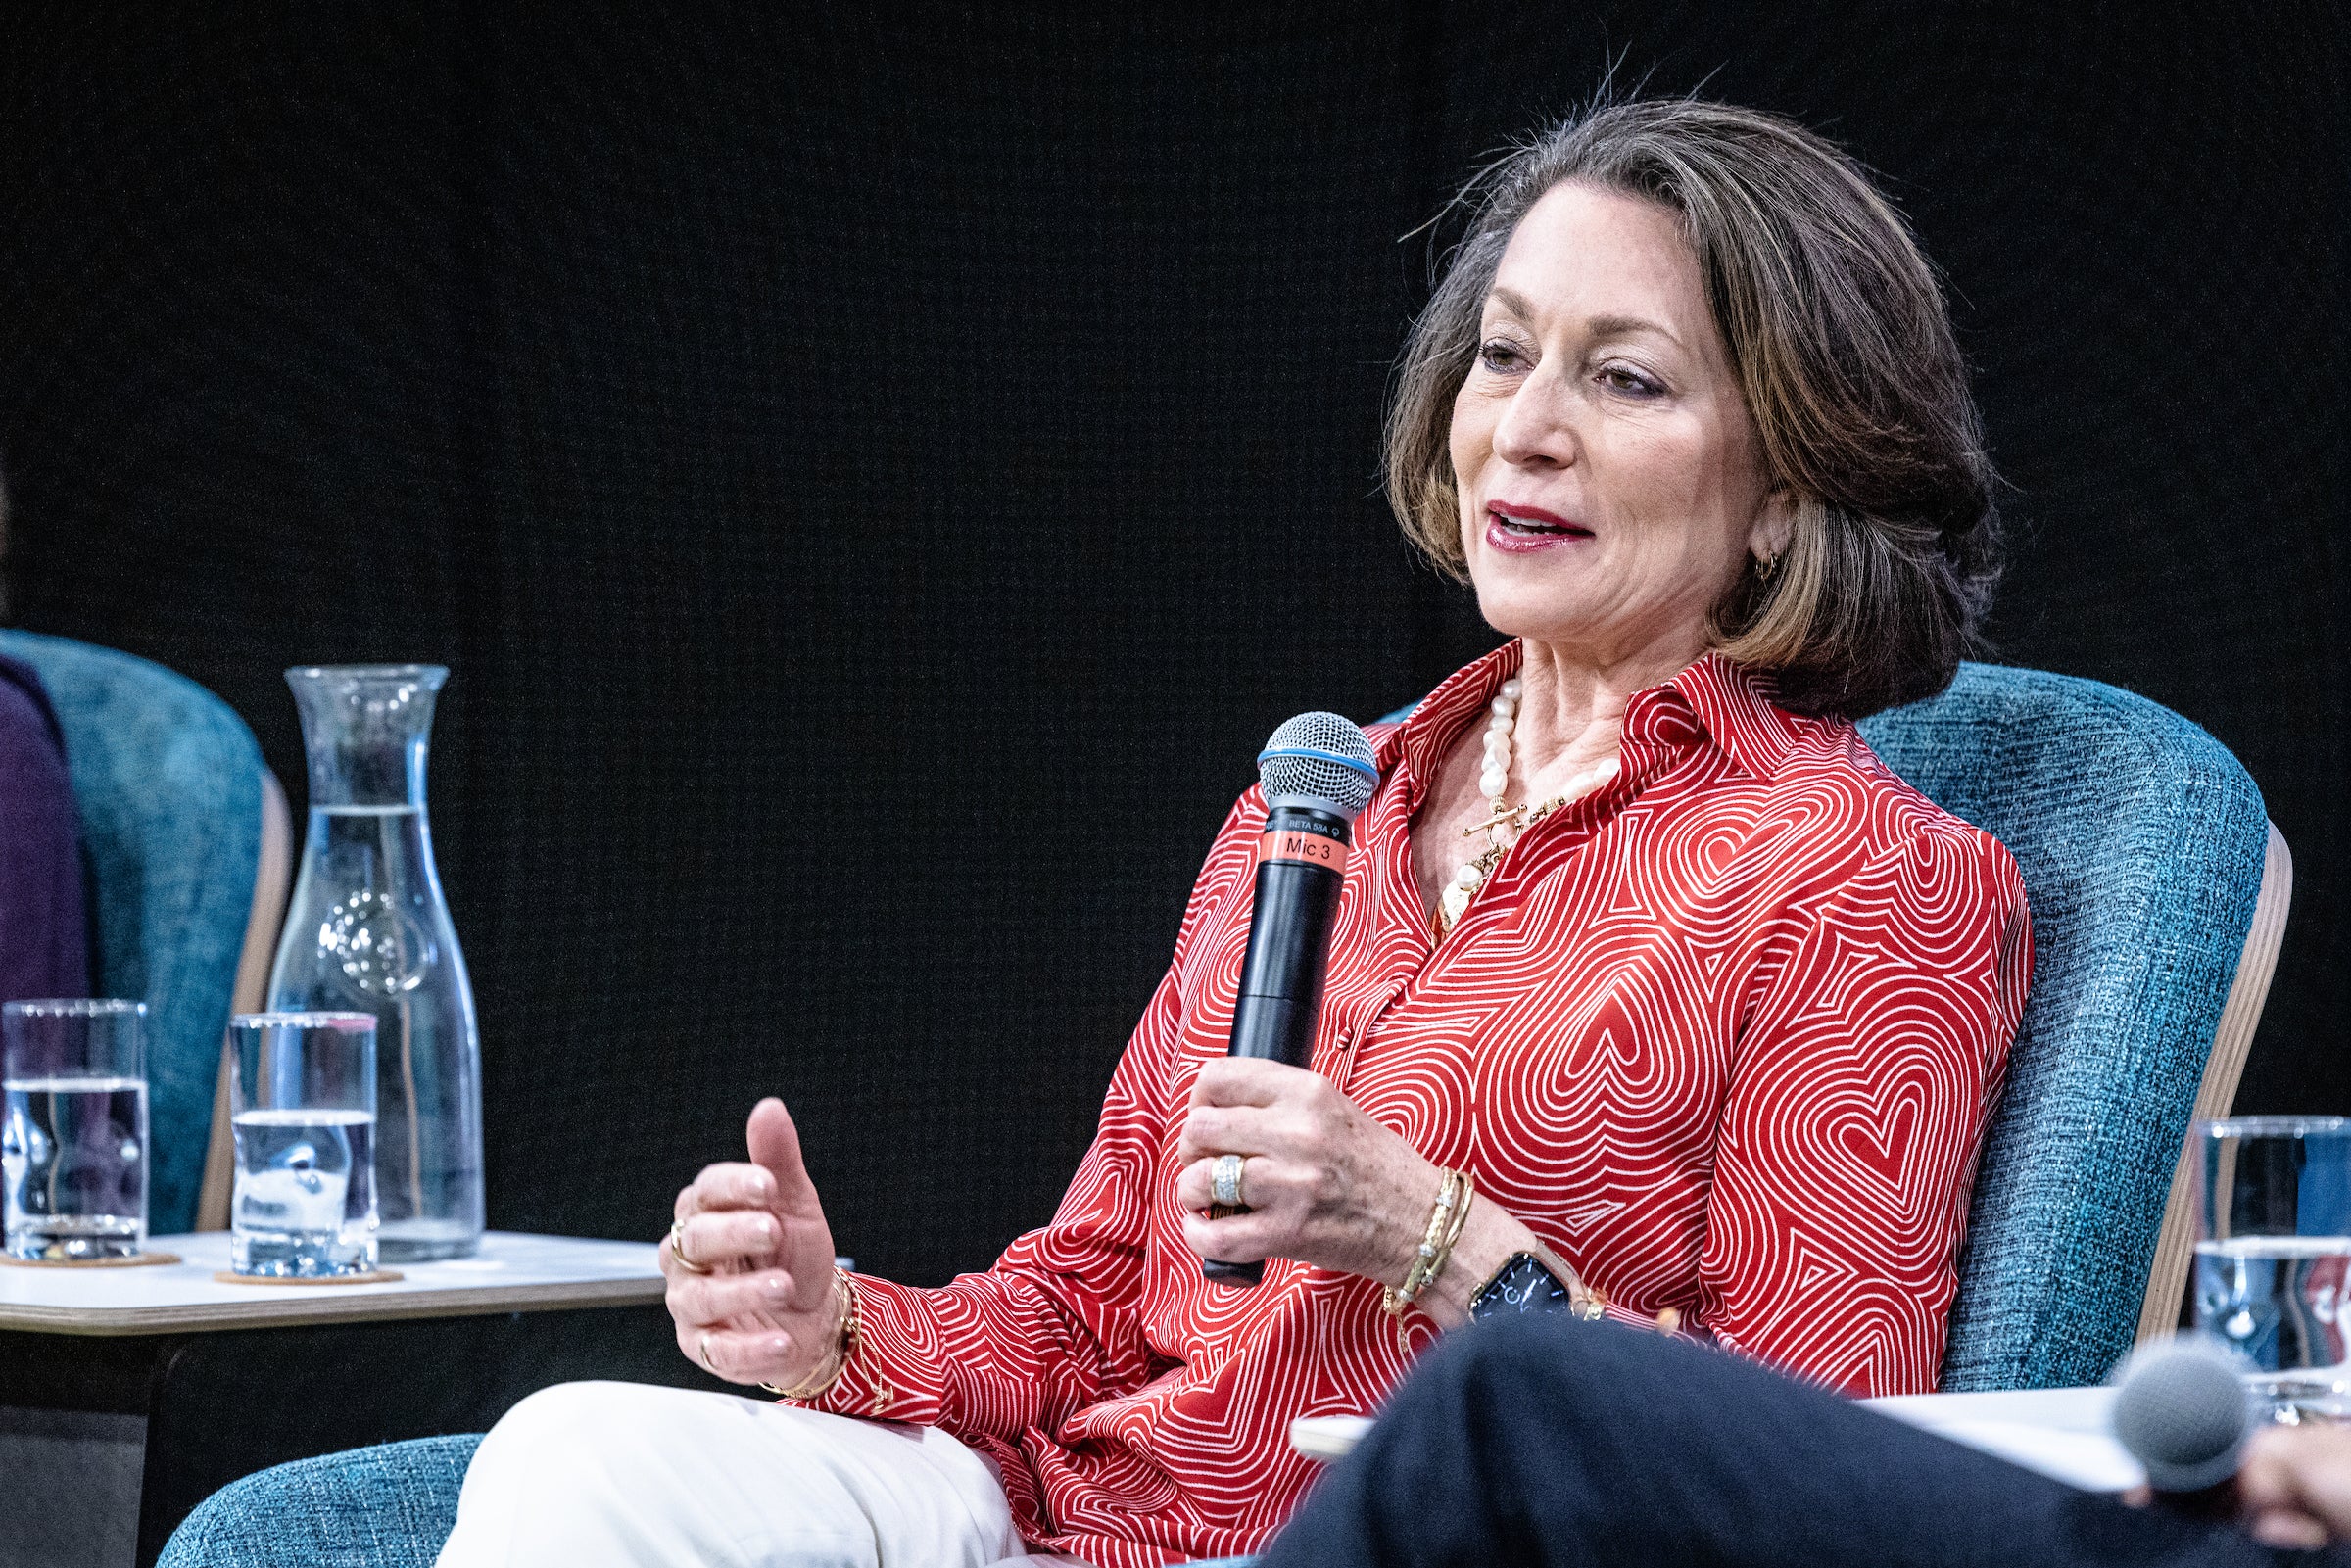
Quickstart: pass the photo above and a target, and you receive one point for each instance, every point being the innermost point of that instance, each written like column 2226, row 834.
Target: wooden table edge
column 289, row 1309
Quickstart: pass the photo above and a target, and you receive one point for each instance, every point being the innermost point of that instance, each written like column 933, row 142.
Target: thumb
column 775, row 1144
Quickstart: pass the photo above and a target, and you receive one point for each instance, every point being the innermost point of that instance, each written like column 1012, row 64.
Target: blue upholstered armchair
column 188, row 845
column 2159, row 895
column 2158, row 892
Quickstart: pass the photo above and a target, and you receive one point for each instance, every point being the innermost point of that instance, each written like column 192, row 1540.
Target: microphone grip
column 1275, row 1028
column 1280, row 996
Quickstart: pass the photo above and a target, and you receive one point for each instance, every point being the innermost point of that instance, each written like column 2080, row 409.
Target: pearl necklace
column 1504, row 828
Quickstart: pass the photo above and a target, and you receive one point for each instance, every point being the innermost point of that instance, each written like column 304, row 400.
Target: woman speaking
column 1651, row 992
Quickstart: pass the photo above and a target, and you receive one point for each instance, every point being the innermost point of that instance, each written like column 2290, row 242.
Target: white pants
column 587, row 1475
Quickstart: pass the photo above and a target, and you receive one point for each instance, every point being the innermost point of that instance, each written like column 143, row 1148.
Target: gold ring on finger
column 677, row 1249
column 701, row 1353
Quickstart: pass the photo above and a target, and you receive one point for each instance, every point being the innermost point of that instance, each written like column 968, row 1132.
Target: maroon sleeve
column 44, row 942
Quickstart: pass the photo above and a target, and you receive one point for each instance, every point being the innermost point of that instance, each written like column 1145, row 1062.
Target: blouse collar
column 1734, row 705
column 1727, row 703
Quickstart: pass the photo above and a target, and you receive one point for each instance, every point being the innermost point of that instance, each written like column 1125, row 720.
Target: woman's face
column 1610, row 480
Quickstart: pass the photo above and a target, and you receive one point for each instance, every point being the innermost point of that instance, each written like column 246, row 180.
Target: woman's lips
column 1518, row 529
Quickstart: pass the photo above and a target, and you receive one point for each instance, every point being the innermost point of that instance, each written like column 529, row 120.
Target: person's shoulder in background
column 44, row 935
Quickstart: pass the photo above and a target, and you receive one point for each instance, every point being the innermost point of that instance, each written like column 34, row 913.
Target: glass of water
column 74, row 1144
column 2273, row 1255
column 302, row 1109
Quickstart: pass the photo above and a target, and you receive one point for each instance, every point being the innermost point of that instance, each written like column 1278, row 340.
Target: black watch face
column 1525, row 1285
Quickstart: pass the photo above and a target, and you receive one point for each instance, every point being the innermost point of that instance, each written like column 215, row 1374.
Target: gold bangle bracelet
column 1447, row 1228
column 827, row 1372
column 1446, row 1221
column 1456, row 1222
column 1396, row 1297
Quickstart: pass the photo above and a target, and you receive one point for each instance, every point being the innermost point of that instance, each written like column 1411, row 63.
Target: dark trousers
column 1548, row 1441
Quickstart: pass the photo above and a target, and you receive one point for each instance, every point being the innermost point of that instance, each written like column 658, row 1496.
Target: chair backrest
column 2167, row 1280
column 2143, row 844
column 2145, row 851
column 168, row 783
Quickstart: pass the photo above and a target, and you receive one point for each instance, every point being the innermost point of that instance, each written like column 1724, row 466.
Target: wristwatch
column 1524, row 1284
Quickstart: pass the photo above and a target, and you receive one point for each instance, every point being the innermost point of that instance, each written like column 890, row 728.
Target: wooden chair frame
column 271, row 880
column 2240, row 1016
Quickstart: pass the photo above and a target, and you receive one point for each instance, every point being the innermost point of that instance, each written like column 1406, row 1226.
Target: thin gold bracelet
column 1446, row 1220
column 1459, row 1223
column 1396, row 1297
column 827, row 1372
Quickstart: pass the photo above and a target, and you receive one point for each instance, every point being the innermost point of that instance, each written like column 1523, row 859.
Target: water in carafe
column 369, row 932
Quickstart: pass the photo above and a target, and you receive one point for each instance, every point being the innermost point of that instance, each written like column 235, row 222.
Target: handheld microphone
column 1318, row 775
column 2182, row 1409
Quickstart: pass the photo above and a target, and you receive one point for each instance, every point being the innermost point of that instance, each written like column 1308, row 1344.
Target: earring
column 1765, row 565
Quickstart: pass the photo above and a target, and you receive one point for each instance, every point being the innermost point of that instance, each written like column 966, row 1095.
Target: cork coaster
column 142, row 1261
column 382, row 1276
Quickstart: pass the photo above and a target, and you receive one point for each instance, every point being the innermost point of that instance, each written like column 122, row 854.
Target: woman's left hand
column 1324, row 1183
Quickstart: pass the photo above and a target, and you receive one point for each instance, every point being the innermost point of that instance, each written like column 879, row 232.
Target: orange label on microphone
column 1313, row 848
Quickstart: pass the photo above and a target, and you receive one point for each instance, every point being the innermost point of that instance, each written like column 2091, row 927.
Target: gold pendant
column 1503, row 816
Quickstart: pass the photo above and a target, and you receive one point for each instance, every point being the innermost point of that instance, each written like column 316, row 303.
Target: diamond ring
column 1224, row 1181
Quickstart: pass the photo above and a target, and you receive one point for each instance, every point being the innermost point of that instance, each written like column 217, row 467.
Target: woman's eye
column 1499, row 356
column 1631, row 382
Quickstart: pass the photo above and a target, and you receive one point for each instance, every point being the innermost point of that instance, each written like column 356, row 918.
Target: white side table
column 512, row 1272
column 128, row 1394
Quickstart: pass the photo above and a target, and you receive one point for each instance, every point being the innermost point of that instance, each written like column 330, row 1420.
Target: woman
column 1651, row 988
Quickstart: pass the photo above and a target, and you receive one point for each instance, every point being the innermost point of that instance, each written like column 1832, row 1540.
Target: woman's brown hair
column 1838, row 335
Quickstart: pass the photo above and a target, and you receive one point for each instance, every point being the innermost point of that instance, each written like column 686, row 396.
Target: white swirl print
column 1726, row 1033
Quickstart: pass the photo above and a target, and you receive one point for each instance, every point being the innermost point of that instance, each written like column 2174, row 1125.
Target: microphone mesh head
column 1324, row 757
column 2182, row 1412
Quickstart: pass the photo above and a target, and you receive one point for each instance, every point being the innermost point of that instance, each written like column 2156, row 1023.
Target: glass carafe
column 368, row 932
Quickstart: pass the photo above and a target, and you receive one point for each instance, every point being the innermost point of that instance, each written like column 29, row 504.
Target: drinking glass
column 75, row 1145
column 2273, row 1251
column 302, row 1109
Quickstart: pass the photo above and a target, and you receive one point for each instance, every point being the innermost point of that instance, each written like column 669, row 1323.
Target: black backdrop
column 878, row 474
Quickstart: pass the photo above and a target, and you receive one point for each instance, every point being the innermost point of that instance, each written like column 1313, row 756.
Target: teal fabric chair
column 2147, row 857
column 389, row 1507
column 2159, row 893
column 172, row 797
column 2146, row 854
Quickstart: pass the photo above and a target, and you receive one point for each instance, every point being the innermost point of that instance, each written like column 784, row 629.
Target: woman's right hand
column 2294, row 1485
column 767, row 1311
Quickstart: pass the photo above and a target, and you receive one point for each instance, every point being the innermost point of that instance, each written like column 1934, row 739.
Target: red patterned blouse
column 1724, row 1034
